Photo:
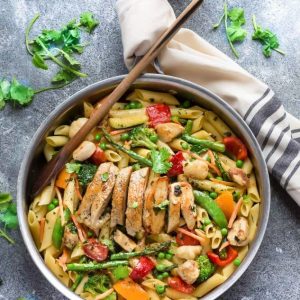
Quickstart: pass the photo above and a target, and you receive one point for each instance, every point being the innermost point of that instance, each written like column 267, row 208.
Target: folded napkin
column 190, row 57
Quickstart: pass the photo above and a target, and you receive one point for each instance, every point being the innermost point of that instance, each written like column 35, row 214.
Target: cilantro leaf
column 236, row 33
column 236, row 16
column 63, row 76
column 39, row 61
column 9, row 216
column 4, row 234
column 87, row 20
column 21, row 93
column 73, row 168
column 160, row 161
column 71, row 60
column 267, row 38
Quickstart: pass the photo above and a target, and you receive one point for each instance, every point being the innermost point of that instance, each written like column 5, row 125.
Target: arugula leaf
column 160, row 161
column 39, row 61
column 87, row 20
column 73, row 168
column 267, row 38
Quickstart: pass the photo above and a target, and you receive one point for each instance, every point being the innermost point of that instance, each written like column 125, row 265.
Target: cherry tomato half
column 98, row 157
column 185, row 240
column 235, row 146
column 142, row 268
column 179, row 285
column 95, row 250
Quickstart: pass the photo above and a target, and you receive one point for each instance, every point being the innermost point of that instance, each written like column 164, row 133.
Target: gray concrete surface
column 274, row 274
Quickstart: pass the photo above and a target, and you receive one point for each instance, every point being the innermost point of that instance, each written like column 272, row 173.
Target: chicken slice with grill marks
column 188, row 208
column 119, row 197
column 97, row 195
column 175, row 197
column 135, row 201
column 160, row 195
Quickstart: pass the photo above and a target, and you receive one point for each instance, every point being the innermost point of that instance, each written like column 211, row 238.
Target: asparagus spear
column 147, row 251
column 220, row 167
column 131, row 153
column 85, row 267
column 216, row 146
column 78, row 279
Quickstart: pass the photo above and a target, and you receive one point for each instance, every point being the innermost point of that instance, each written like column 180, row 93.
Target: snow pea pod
column 211, row 207
column 57, row 234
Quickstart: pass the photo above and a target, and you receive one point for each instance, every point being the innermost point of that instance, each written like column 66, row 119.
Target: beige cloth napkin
column 190, row 57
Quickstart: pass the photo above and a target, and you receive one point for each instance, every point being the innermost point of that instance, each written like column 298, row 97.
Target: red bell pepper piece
column 158, row 113
column 143, row 268
column 179, row 285
column 231, row 256
column 177, row 167
column 185, row 240
column 95, row 250
column 98, row 157
column 235, row 146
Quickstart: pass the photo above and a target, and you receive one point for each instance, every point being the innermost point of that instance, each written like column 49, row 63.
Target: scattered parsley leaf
column 267, row 38
column 162, row 206
column 87, row 20
column 160, row 161
column 39, row 61
column 73, row 168
column 236, row 16
column 104, row 177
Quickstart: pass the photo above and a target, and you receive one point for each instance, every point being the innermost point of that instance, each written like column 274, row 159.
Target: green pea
column 185, row 146
column 236, row 196
column 169, row 256
column 224, row 231
column 51, row 206
column 133, row 105
column 103, row 146
column 55, row 201
column 237, row 262
column 124, row 137
column 172, row 252
column 206, row 221
column 186, row 104
column 160, row 267
column 161, row 255
column 98, row 137
column 139, row 105
column 153, row 138
column 213, row 195
column 160, row 289
column 90, row 233
column 160, row 277
column 239, row 163
column 136, row 167
column 219, row 178
column 165, row 274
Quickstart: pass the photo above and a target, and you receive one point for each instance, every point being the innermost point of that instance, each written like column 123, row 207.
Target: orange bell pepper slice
column 226, row 203
column 130, row 290
column 62, row 179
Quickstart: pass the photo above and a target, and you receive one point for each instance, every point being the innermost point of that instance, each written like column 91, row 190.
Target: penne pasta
column 186, row 113
column 201, row 215
column 34, row 227
column 210, row 230
column 216, row 239
column 176, row 295
column 247, row 166
column 218, row 124
column 112, row 156
column 56, row 140
column 203, row 135
column 252, row 189
column 176, row 144
column 128, row 113
column 210, row 128
column 62, row 130
column 209, row 285
column 245, row 208
column 47, row 194
column 88, row 109
column 49, row 152
column 197, row 124
column 119, row 123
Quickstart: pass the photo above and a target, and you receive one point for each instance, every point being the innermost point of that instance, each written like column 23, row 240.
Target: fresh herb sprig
column 8, row 216
column 267, row 38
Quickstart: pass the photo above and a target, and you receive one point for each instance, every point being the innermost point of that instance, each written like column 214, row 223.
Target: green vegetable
column 124, row 137
column 55, row 201
column 267, row 38
column 153, row 138
column 57, row 234
column 213, row 195
column 103, row 146
column 236, row 196
column 161, row 255
column 104, row 177
column 206, row 268
column 175, row 119
column 86, row 173
column 152, row 250
column 141, row 137
column 39, row 61
column 97, row 137
column 160, row 289
column 5, row 198
column 186, row 104
column 4, row 234
column 97, row 284
column 15, row 93
column 110, row 244
column 120, row 272
column 163, row 205
column 219, row 178
column 139, row 158
column 185, row 146
column 239, row 163
column 160, row 161
column 216, row 146
column 165, row 274
column 8, row 215
column 237, row 262
column 188, row 127
column 86, row 267
column 224, row 231
column 51, row 206
column 136, row 167
column 90, row 233
column 77, row 281
column 160, row 277
column 223, row 253
column 206, row 221
column 211, row 207
column 88, row 21
column 220, row 167
column 73, row 167
column 169, row 256
column 160, row 267
column 199, row 150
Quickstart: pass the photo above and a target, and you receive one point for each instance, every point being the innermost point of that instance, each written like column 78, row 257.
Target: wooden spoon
column 57, row 163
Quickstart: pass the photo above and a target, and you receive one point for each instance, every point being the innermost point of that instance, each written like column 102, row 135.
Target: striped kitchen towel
column 190, row 57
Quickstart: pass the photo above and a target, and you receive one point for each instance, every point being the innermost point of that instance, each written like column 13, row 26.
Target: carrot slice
column 211, row 156
column 77, row 188
column 235, row 212
column 222, row 182
column 119, row 131
column 224, row 245
column 62, row 179
column 226, row 203
column 214, row 168
column 130, row 290
column 81, row 233
column 63, row 259
column 192, row 235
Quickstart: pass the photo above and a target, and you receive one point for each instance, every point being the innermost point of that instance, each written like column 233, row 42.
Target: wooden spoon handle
column 57, row 163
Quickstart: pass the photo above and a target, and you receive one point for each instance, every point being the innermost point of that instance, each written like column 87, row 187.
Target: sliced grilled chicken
column 124, row 241
column 175, row 196
column 70, row 238
column 168, row 131
column 188, row 207
column 119, row 197
column 97, row 195
column 149, row 201
column 135, row 201
column 238, row 176
column 160, row 195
